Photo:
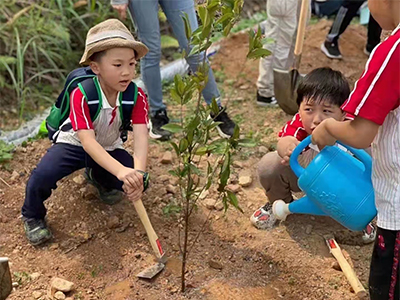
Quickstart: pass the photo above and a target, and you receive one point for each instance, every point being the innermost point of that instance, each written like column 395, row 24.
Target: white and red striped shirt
column 376, row 97
column 107, row 124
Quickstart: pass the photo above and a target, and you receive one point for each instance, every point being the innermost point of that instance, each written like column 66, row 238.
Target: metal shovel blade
column 285, row 88
column 152, row 271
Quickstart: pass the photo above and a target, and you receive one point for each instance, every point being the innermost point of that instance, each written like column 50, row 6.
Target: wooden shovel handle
column 301, row 28
column 349, row 273
column 151, row 234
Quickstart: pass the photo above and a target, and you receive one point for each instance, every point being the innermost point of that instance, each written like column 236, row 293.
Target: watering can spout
column 302, row 206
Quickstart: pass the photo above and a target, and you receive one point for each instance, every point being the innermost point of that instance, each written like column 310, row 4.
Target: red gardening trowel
column 286, row 82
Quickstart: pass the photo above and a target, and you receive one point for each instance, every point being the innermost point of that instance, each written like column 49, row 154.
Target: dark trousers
column 343, row 18
column 384, row 271
column 61, row 160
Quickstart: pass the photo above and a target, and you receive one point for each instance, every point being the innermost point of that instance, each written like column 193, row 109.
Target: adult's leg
column 374, row 34
column 145, row 15
column 174, row 10
column 280, row 26
column 59, row 161
column 343, row 18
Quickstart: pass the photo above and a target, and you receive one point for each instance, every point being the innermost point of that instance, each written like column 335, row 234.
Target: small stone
column 167, row 157
column 245, row 179
column 312, row 218
column 209, row 203
column 336, row 266
column 15, row 284
column 163, row 178
column 237, row 164
column 204, row 195
column 69, row 298
column 358, row 247
column 113, row 222
column 37, row 294
column 215, row 264
column 35, row 276
column 79, row 179
column 263, row 150
column 62, row 285
column 219, row 206
column 309, row 228
column 234, row 188
column 172, row 189
column 137, row 233
column 14, row 176
column 244, row 87
column 59, row 295
column 53, row 247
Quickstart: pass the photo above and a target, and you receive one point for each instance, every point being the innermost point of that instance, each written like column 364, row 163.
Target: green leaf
column 214, row 107
column 174, row 128
column 258, row 53
column 183, row 145
column 247, row 143
column 188, row 29
column 194, row 169
column 194, row 50
column 201, row 150
column 234, row 201
column 194, row 123
column 224, row 18
column 175, row 146
column 202, row 13
column 227, row 29
column 176, row 97
column 236, row 132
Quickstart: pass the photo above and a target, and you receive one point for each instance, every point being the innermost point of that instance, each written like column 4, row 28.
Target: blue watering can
column 336, row 184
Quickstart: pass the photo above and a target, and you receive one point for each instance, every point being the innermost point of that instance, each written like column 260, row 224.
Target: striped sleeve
column 141, row 109
column 377, row 92
column 79, row 111
column 294, row 128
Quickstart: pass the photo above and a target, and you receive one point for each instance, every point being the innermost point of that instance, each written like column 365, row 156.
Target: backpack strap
column 127, row 103
column 90, row 88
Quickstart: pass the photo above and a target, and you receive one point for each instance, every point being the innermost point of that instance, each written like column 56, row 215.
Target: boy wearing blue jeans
column 375, row 103
column 112, row 52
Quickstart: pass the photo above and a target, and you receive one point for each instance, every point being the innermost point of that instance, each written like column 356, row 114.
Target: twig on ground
column 5, row 182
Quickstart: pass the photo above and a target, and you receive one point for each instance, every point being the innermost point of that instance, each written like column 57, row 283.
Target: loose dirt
column 288, row 262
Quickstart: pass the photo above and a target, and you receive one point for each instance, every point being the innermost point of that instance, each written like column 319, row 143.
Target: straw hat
column 110, row 34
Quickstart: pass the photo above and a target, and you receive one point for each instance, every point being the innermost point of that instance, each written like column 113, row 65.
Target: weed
column 22, row 277
column 6, row 152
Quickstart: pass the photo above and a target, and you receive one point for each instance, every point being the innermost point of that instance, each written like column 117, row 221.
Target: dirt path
column 289, row 262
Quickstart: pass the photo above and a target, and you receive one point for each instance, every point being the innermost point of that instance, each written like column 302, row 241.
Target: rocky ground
column 100, row 249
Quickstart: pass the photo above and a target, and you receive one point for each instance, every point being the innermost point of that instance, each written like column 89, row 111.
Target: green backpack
column 87, row 82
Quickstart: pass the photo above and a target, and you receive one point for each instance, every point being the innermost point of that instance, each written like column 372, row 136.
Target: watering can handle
column 294, row 163
column 298, row 170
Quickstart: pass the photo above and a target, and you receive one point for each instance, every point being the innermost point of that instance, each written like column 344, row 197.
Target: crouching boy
column 320, row 96
column 95, row 143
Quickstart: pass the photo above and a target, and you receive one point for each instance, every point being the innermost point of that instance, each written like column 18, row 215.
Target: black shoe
column 157, row 121
column 266, row 101
column 109, row 197
column 227, row 126
column 331, row 49
column 36, row 231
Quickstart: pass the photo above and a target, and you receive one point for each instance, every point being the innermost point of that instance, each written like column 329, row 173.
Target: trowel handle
column 301, row 28
column 153, row 238
column 362, row 155
column 294, row 163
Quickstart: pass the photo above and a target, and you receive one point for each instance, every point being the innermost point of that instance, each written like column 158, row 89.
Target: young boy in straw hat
column 112, row 53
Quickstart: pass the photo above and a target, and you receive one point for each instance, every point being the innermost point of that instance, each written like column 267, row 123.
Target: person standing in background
column 145, row 16
column 344, row 16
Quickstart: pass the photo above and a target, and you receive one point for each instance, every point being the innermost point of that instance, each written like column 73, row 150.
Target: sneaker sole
column 156, row 136
column 263, row 104
column 326, row 52
column 222, row 134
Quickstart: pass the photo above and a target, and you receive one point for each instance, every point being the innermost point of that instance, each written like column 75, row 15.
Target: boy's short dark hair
column 324, row 84
column 97, row 56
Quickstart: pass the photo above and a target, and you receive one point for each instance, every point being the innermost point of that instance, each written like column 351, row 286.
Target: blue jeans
column 145, row 15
